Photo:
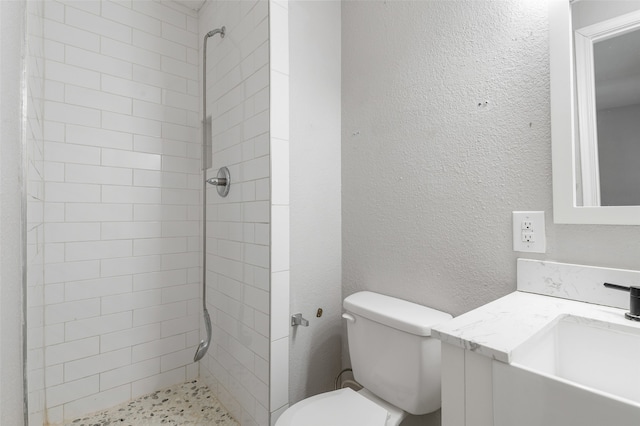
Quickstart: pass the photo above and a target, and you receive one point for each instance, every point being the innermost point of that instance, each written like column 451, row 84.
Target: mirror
column 595, row 106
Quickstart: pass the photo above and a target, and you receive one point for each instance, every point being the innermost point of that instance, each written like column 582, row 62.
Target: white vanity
column 558, row 351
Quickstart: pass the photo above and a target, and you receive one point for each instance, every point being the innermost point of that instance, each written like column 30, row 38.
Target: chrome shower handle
column 216, row 181
column 222, row 181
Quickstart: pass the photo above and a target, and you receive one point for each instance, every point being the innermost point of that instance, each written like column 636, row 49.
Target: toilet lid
column 343, row 407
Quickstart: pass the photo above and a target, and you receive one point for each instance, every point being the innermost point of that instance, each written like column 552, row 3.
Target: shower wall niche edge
column 280, row 208
column 34, row 194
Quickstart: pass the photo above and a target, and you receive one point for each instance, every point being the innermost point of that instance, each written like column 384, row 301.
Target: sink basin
column 576, row 371
column 596, row 354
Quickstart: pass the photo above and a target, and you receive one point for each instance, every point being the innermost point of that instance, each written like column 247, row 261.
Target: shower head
column 203, row 347
column 220, row 31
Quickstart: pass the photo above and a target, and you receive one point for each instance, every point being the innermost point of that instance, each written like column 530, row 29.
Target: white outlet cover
column 539, row 243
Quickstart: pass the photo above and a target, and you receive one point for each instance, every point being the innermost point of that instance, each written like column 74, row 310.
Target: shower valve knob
column 217, row 181
column 222, row 181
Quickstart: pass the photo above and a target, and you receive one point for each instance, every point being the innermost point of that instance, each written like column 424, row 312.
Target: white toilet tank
column 391, row 351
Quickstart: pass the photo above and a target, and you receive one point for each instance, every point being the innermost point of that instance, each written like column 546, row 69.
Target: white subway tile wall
column 35, row 295
column 279, row 205
column 119, row 297
column 238, row 227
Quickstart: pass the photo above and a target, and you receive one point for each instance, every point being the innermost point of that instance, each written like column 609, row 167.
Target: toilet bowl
column 393, row 357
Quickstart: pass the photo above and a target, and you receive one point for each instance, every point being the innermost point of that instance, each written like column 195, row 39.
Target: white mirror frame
column 587, row 119
column 585, row 38
column 561, row 70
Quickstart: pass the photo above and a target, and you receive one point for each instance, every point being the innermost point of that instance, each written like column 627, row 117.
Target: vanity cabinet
column 467, row 388
column 527, row 359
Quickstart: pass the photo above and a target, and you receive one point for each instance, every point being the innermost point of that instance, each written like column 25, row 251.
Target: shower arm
column 222, row 32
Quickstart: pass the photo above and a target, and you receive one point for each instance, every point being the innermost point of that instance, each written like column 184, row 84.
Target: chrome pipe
column 220, row 31
column 203, row 347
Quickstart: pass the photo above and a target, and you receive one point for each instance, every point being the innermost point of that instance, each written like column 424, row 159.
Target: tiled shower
column 114, row 207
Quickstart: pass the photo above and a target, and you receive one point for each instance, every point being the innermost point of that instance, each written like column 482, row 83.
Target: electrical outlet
column 529, row 232
column 528, row 237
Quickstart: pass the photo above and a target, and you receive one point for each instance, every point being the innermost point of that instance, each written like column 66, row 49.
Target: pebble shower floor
column 186, row 404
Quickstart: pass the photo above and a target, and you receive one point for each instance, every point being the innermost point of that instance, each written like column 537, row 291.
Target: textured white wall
column 12, row 48
column 314, row 28
column 446, row 130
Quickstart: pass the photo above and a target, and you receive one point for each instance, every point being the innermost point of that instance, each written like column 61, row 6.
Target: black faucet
column 634, row 301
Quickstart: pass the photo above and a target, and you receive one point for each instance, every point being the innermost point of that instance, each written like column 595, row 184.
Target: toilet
column 393, row 357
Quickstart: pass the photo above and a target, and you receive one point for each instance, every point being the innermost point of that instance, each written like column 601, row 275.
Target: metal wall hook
column 222, row 181
column 297, row 319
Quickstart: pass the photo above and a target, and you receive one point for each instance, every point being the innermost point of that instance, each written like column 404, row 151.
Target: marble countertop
column 496, row 329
